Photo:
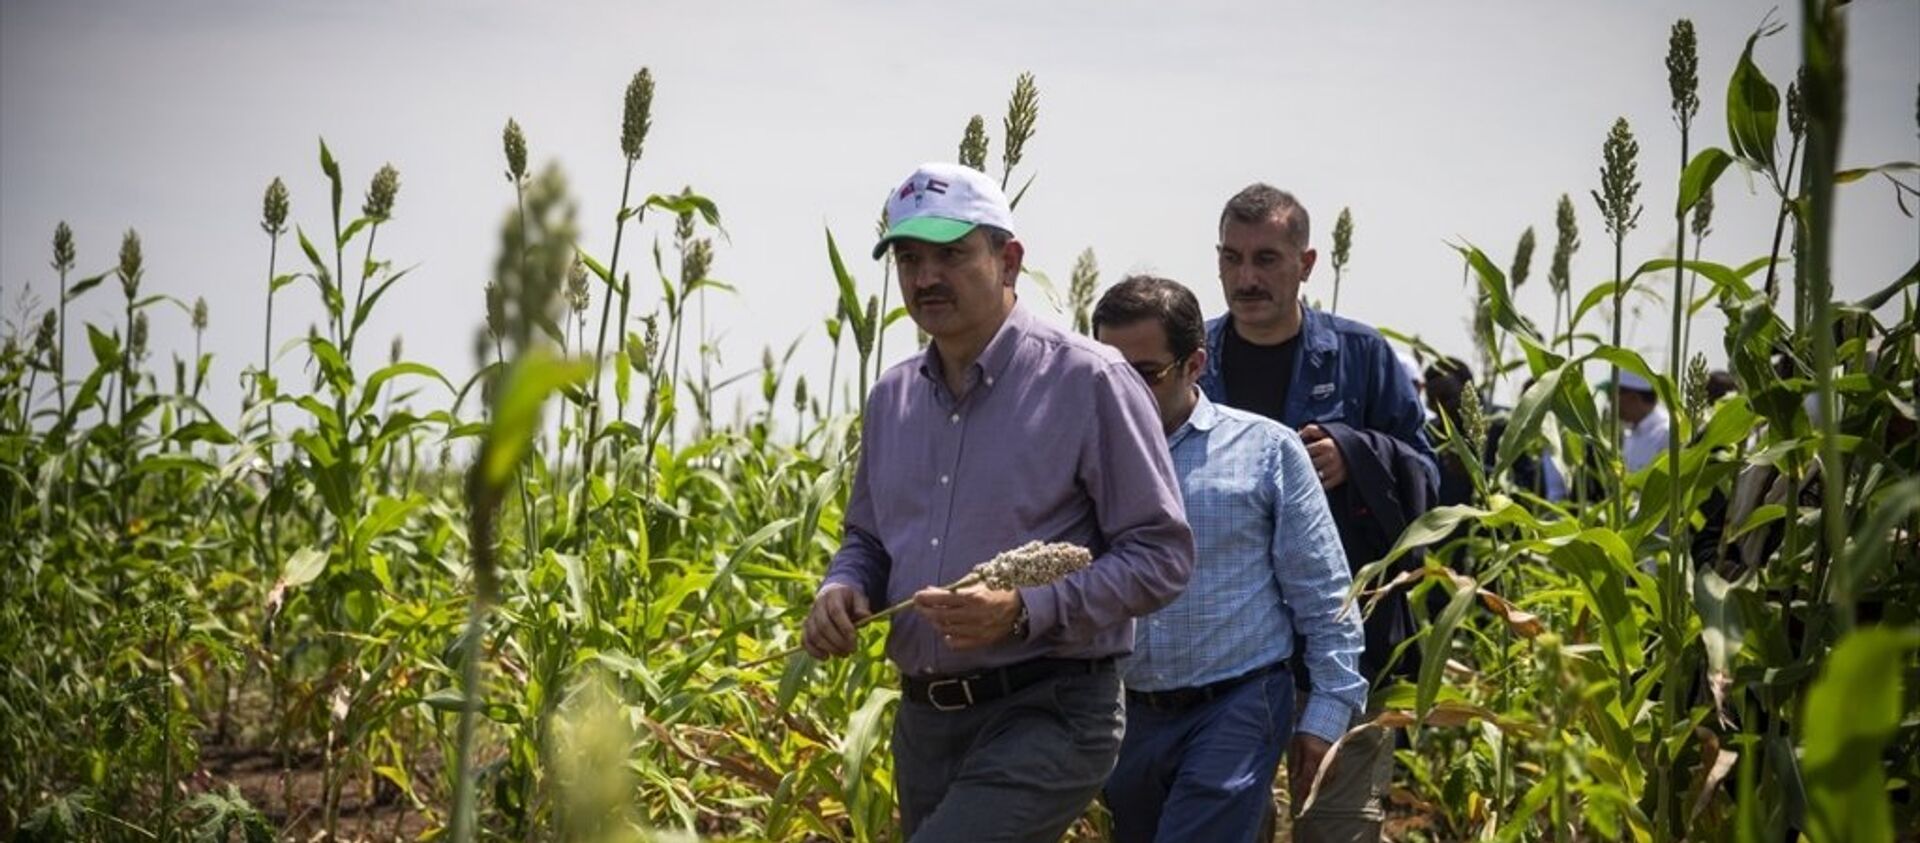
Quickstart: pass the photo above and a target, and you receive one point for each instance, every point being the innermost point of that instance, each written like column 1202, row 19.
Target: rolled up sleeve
column 1311, row 569
column 1124, row 467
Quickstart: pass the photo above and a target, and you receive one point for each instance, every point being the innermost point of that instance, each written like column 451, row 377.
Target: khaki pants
column 1352, row 803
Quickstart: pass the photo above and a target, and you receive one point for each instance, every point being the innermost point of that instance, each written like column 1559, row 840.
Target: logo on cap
column 919, row 191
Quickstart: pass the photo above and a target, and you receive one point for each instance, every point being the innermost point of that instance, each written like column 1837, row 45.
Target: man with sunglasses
column 1005, row 430
column 1338, row 383
column 1210, row 697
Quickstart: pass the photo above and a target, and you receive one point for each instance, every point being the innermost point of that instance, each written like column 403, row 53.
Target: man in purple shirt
column 1005, row 430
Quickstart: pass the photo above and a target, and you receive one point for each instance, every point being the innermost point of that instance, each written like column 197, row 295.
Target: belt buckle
column 966, row 694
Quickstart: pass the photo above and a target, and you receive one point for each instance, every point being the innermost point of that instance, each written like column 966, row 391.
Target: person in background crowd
column 1209, row 691
column 1337, row 382
column 1644, row 421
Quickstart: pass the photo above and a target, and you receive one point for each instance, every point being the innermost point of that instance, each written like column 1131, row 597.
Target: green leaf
column 516, row 416
column 1867, row 552
column 1852, row 710
column 1698, row 178
column 1606, row 578
column 863, row 733
column 1907, row 279
column 1753, row 105
column 303, row 567
column 1858, row 173
column 1523, row 424
column 388, row 514
column 371, row 392
column 1047, row 289
column 85, row 284
column 1494, row 283
column 850, row 306
column 106, row 347
column 1436, row 644
column 365, row 309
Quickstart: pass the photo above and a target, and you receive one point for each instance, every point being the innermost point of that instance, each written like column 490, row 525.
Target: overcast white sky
column 1433, row 122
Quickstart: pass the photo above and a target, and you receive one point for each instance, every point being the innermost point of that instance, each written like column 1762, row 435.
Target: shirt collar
column 993, row 359
column 1205, row 417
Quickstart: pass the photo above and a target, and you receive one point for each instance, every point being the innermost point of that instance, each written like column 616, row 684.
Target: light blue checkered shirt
column 1269, row 563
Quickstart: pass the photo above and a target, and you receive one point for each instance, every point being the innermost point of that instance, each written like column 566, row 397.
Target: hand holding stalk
column 1030, row 565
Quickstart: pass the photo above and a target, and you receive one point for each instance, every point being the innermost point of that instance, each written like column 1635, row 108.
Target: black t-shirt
column 1257, row 377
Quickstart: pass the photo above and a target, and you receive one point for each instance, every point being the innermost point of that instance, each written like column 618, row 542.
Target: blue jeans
column 1205, row 772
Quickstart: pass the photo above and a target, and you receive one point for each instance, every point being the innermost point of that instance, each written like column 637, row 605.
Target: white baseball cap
column 1631, row 380
column 941, row 203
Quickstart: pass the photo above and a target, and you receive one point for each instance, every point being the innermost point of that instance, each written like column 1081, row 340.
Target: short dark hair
column 1449, row 368
column 1720, row 384
column 1259, row 202
column 1141, row 297
column 997, row 237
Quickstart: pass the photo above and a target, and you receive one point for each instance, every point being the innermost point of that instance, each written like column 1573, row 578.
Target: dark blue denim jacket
column 1344, row 372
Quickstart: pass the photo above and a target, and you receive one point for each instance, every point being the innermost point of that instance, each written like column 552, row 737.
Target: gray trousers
column 1351, row 807
column 1019, row 768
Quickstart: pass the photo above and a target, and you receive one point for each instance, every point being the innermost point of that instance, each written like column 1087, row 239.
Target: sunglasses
column 1154, row 374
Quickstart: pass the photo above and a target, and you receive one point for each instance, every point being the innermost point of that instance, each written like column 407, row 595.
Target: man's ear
column 1307, row 260
column 1196, row 362
column 1011, row 259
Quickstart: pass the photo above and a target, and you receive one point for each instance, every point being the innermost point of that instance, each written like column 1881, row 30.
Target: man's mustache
column 1252, row 294
column 932, row 294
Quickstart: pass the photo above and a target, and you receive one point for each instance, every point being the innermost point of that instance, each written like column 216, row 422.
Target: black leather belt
column 953, row 693
column 1181, row 699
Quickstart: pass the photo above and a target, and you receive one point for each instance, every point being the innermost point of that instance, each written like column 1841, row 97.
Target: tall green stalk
column 1824, row 40
column 636, row 120
column 1619, row 187
column 63, row 260
column 1683, row 80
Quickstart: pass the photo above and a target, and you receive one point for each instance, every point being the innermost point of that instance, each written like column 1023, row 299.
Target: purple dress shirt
column 1056, row 439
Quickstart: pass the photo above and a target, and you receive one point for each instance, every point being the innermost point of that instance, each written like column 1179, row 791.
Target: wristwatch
column 1020, row 623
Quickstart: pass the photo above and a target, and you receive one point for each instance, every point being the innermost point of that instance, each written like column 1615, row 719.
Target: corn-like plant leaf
column 1699, row 176
column 1436, row 643
column 1852, row 711
column 850, row 305
column 106, row 347
column 864, row 729
column 371, row 392
column 528, row 384
column 1753, row 105
column 1867, row 552
column 81, row 286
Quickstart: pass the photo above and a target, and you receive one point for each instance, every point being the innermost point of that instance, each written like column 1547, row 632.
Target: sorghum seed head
column 1797, row 105
column 638, row 117
column 515, row 142
column 137, row 338
column 386, row 185
column 394, row 350
column 1703, row 214
column 577, row 292
column 1032, row 564
column 1522, row 259
column 1559, row 275
column 199, row 314
column 1697, row 400
column 1023, row 108
column 273, row 212
column 695, row 262
column 62, row 247
column 1683, row 63
column 496, row 309
column 43, row 336
column 1473, row 420
column 130, row 263
column 1342, row 238
column 973, row 144
column 1619, row 180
